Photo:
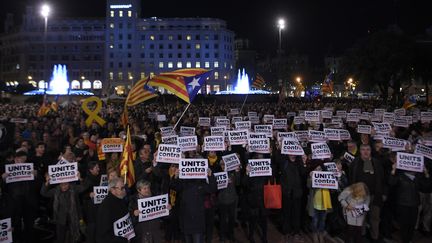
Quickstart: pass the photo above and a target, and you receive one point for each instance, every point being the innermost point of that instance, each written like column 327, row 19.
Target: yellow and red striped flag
column 259, row 82
column 126, row 163
column 139, row 93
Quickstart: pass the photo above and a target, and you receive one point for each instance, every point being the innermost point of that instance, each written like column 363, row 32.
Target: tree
column 383, row 59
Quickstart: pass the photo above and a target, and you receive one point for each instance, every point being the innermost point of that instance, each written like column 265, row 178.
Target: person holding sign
column 66, row 209
column 408, row 185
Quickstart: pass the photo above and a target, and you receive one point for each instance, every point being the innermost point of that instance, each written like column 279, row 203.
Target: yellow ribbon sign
column 93, row 114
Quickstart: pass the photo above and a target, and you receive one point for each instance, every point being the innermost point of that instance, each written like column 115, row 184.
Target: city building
column 110, row 54
column 245, row 56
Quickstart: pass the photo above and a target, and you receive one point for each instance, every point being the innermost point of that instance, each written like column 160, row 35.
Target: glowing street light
column 281, row 26
column 298, row 79
column 82, row 77
column 45, row 11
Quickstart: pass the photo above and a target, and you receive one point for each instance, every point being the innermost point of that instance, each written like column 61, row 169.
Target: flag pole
column 244, row 101
column 178, row 121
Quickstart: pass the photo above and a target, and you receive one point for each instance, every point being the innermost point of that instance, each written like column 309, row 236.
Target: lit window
column 120, row 75
column 207, row 64
column 86, row 84
column 112, row 13
column 197, row 46
column 152, row 37
column 188, row 65
column 179, row 65
column 111, row 75
column 112, row 25
column 216, row 88
column 111, row 46
column 161, row 64
column 216, row 64
column 216, row 75
column 188, row 37
column 75, row 84
column 130, row 75
column 170, row 65
column 197, row 64
column 129, row 13
column 97, row 84
column 170, row 37
column 121, row 13
column 152, row 74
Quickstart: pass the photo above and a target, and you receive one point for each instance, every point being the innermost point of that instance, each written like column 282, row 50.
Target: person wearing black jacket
column 92, row 179
column 111, row 209
column 408, row 186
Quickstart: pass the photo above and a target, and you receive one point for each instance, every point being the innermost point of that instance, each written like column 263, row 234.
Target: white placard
column 161, row 118
column 172, row 139
column 320, row 151
column 238, row 137
column 298, row 120
column 423, row 150
column 214, row 143
column 100, row 192
column 302, row 135
column 332, row 134
column 291, row 147
column 324, row 180
column 187, row 131
column 288, row 135
column 231, row 162
column 18, row 120
column 355, row 110
column 243, row 125
column 153, row 207
column 223, row 123
column 259, row 145
column 63, row 173
column 349, row 157
column 254, row 120
column 291, row 114
column 280, row 123
column 167, row 131
column 221, row 180
column 236, row 119
column 364, row 129
column 260, row 167
column 268, row 119
column 425, row 116
column 217, row 131
column 254, row 135
column 400, row 112
column 252, row 113
column 267, row 129
column 103, row 180
column 316, row 136
column 6, row 231
column 382, row 127
column 395, row 144
column 325, row 114
column 168, row 154
column 123, row 227
column 409, row 162
column 388, row 117
column 188, row 143
column 312, row 116
column 342, row 114
column 19, row 172
column 193, row 168
column 365, row 116
column 234, row 111
column 204, row 121
column 353, row 117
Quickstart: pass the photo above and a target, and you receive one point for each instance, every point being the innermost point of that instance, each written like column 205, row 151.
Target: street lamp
column 298, row 79
column 281, row 26
column 45, row 11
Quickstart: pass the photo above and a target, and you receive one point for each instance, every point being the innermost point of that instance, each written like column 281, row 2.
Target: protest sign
column 153, row 207
column 204, row 121
column 364, row 129
column 290, row 114
column 193, row 168
column 19, row 172
column 188, row 143
column 288, row 135
column 254, row 135
column 252, row 113
column 161, row 118
column 254, row 120
column 234, row 111
column 123, row 227
column 330, row 166
column 379, row 111
column 375, row 118
column 332, row 134
column 302, row 135
column 259, row 145
column 236, row 119
column 388, row 117
column 342, row 114
column 238, row 137
column 215, row 118
column 172, row 139
column 6, row 230
column 63, row 173
column 326, row 114
column 423, row 150
column 425, row 116
column 100, row 192
column 409, row 162
column 18, row 120
column 223, row 123
column 167, row 153
column 112, row 145
column 214, row 143
column 280, row 123
column 395, row 144
column 267, row 129
column 400, row 112
column 324, row 180
column 268, row 119
column 382, row 127
column 260, row 167
column 221, row 180
column 365, row 116
column 103, row 180
column 152, row 115
column 167, row 131
column 187, row 131
column 217, row 131
column 231, row 162
column 291, row 147
column 316, row 136
column 344, row 134
column 355, row 110
column 380, row 135
column 320, row 151
column 312, row 116
column 298, row 120
column 243, row 125
column 353, row 117
column 349, row 157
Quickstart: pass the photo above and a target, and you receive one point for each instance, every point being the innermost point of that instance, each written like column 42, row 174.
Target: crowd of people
column 374, row 199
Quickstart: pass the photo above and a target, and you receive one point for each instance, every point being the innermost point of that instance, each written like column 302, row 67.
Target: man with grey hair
column 112, row 209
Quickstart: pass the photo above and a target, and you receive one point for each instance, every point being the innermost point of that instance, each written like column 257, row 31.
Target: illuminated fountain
column 58, row 85
column 242, row 86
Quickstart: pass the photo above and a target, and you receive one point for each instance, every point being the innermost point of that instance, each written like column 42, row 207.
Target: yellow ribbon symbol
column 93, row 114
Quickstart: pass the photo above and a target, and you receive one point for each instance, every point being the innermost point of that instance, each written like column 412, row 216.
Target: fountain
column 242, row 86
column 59, row 84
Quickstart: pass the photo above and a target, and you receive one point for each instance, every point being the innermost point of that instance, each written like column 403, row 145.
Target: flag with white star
column 195, row 83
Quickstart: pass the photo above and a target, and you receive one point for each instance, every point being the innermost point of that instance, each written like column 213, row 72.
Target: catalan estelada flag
column 184, row 83
column 139, row 93
column 409, row 102
column 126, row 163
column 45, row 108
column 259, row 82
column 327, row 86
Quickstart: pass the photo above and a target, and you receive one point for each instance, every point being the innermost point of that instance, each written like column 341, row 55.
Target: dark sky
column 315, row 27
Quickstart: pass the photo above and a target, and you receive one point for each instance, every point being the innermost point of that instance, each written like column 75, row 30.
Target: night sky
column 314, row 27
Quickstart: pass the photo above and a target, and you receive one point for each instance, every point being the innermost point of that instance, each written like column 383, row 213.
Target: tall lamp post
column 281, row 26
column 45, row 11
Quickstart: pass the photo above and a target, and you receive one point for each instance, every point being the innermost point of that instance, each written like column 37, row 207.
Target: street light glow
column 298, row 79
column 281, row 24
column 45, row 10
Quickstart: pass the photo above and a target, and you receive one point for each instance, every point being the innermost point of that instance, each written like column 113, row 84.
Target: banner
column 63, row 173
column 291, row 147
column 153, row 207
column 193, row 168
column 19, row 172
column 214, row 143
column 316, row 136
column 222, row 180
column 259, row 145
column 189, row 143
column 6, row 231
column 409, row 162
column 280, row 124
column 123, row 227
column 112, row 145
column 187, row 131
column 168, row 154
column 100, row 192
column 395, row 144
column 320, row 151
column 353, row 117
column 217, row 131
column 167, row 131
column 260, row 167
column 172, row 139
column 324, row 180
column 204, row 121
column 238, row 137
column 267, row 129
column 423, row 150
column 231, row 162
column 382, row 127
column 243, row 125
column 364, row 129
column 312, row 116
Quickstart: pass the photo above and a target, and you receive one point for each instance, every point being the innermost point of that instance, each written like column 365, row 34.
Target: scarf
column 322, row 200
